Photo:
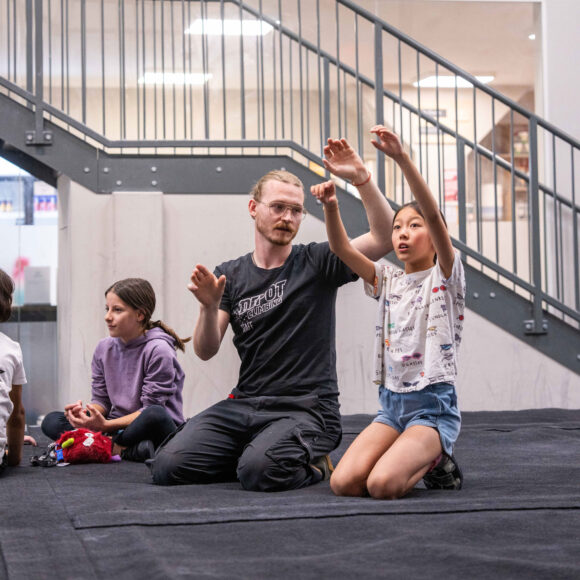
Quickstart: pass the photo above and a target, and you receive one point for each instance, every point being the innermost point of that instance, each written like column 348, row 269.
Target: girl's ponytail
column 179, row 342
column 139, row 294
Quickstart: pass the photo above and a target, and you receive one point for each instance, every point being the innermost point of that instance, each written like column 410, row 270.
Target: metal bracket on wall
column 530, row 327
column 38, row 138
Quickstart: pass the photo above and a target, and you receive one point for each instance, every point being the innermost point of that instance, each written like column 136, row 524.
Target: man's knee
column 260, row 473
column 276, row 466
column 168, row 468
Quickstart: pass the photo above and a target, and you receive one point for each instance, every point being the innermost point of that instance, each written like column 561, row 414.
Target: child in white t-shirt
column 420, row 320
column 12, row 377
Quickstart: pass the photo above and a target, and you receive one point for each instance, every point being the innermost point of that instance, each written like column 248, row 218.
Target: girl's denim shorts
column 434, row 406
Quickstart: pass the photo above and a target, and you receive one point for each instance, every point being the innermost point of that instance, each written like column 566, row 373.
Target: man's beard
column 276, row 240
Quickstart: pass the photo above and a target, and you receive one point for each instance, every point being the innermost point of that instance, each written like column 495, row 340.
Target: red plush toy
column 84, row 446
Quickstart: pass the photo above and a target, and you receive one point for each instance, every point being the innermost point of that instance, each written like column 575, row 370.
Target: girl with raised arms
column 420, row 314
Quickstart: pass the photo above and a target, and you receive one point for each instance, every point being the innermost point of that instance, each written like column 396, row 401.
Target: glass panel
column 28, row 239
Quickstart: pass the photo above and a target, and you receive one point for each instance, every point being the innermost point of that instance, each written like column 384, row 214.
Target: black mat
column 517, row 516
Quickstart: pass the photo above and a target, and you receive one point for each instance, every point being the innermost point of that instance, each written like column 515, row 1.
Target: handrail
column 541, row 190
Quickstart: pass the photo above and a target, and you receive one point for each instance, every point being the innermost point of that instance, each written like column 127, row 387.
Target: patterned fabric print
column 419, row 326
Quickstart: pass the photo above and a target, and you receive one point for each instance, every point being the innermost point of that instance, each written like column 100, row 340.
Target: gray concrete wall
column 161, row 237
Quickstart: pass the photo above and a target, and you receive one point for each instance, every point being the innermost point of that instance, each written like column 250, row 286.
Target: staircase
column 107, row 93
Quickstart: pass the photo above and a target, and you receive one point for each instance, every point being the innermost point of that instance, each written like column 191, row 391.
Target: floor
column 517, row 516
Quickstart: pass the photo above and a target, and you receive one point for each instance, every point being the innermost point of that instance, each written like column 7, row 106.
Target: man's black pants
column 268, row 443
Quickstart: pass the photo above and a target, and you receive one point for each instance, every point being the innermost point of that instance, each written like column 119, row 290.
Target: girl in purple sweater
column 137, row 381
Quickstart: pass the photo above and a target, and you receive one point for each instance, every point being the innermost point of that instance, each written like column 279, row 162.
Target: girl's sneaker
column 444, row 475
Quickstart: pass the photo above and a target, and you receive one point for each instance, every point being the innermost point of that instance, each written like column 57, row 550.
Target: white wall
column 161, row 237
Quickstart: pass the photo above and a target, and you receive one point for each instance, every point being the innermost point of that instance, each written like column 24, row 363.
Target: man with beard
column 276, row 428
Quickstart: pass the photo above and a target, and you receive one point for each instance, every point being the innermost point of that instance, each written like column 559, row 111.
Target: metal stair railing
column 325, row 68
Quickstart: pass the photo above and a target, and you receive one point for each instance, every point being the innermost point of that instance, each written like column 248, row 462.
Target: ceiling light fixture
column 450, row 82
column 532, row 36
column 160, row 78
column 217, row 27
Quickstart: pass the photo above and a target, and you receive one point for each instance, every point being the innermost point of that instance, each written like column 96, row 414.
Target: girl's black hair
column 6, row 291
column 415, row 206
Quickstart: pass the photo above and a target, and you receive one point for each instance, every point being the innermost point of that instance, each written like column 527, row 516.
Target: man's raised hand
column 206, row 287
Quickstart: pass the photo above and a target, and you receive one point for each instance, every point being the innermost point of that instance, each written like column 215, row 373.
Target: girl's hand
column 325, row 193
column 90, row 418
column 73, row 410
column 388, row 142
column 30, row 440
column 206, row 287
column 343, row 161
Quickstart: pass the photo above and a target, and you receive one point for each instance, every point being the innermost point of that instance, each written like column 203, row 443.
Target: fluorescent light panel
column 160, row 78
column 215, row 27
column 448, row 82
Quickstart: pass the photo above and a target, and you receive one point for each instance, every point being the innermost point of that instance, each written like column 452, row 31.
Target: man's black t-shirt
column 284, row 321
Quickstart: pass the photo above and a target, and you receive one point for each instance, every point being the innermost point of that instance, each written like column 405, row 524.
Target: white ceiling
column 478, row 36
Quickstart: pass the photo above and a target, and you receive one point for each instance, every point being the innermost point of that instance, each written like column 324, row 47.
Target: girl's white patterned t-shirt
column 419, row 326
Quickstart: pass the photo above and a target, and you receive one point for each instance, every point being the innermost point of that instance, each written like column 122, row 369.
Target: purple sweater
column 144, row 372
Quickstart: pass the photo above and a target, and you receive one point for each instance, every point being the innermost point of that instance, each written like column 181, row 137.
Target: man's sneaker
column 141, row 452
column 324, row 466
column 445, row 475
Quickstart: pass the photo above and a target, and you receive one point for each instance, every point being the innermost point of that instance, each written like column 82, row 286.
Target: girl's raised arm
column 337, row 236
column 390, row 145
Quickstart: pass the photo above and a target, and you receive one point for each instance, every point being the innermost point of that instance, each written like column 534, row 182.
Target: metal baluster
column 242, row 82
column 321, row 114
column 282, row 107
column 379, row 100
column 494, row 167
column 144, row 68
column 223, row 47
column 556, row 228
column 50, row 51
column 204, row 58
column 535, row 223
column 338, row 72
column 122, row 70
column 461, row 190
column 326, row 104
column 274, row 79
column 190, row 64
column 261, row 72
column 39, row 75
column 137, row 90
column 513, row 196
column 154, row 27
column 419, row 109
column 575, row 235
column 184, row 67
column 174, row 90
column 62, row 36
column 401, row 136
column 478, row 217
column 163, row 85
column 301, row 73
column 29, row 46
column 438, row 132
column 83, row 62
column 103, row 77
column 357, row 86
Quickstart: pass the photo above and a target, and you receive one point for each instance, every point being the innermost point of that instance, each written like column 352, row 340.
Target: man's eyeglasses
column 278, row 210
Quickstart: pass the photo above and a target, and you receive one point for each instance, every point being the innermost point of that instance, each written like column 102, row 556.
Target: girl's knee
column 53, row 425
column 154, row 412
column 385, row 487
column 346, row 486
